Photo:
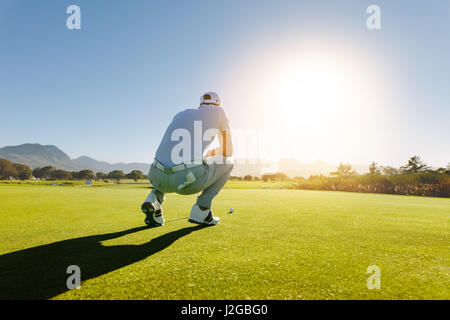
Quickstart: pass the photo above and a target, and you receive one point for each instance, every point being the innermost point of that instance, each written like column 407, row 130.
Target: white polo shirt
column 190, row 134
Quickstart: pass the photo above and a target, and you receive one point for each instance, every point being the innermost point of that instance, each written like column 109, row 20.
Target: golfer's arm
column 225, row 145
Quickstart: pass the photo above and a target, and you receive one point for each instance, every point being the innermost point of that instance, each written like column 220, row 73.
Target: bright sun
column 316, row 103
column 313, row 90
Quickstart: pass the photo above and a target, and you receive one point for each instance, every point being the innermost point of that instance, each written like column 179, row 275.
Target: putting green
column 278, row 244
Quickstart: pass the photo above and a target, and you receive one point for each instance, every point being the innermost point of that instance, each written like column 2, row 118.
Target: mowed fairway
column 279, row 244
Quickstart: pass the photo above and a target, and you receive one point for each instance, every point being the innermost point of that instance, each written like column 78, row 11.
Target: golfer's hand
column 209, row 153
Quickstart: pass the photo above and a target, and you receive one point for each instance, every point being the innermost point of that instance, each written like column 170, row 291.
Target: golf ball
column 231, row 210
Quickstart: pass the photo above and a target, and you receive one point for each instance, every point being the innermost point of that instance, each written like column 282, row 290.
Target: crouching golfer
column 182, row 166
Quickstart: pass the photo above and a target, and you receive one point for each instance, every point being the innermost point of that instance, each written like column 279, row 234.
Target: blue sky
column 110, row 89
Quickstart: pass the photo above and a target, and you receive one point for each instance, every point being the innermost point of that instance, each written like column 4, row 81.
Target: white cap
column 211, row 98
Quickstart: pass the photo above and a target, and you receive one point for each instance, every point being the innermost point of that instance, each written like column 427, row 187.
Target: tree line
column 414, row 178
column 11, row 170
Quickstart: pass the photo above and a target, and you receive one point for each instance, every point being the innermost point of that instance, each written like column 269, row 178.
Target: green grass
column 279, row 244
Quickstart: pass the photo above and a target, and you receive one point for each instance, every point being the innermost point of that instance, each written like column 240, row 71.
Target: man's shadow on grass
column 40, row 272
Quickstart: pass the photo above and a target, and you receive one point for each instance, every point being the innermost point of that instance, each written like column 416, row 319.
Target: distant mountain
column 36, row 155
column 253, row 167
column 102, row 166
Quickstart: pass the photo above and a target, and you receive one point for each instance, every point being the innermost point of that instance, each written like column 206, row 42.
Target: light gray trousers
column 209, row 179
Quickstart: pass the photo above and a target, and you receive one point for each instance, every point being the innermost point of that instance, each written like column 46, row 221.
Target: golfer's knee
column 229, row 167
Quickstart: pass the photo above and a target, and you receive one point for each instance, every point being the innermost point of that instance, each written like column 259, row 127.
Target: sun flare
column 318, row 102
column 313, row 90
